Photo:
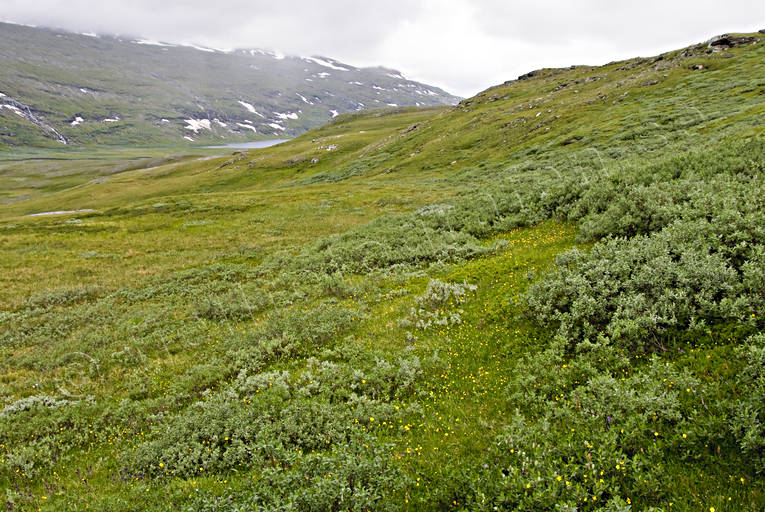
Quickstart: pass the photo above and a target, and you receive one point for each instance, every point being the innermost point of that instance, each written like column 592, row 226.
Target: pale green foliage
column 635, row 291
column 697, row 267
column 356, row 476
column 439, row 305
column 748, row 422
column 30, row 402
column 265, row 417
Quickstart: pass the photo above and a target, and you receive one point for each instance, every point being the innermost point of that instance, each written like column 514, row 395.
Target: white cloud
column 461, row 45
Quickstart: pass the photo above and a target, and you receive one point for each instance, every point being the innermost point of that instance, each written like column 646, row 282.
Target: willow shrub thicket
column 679, row 256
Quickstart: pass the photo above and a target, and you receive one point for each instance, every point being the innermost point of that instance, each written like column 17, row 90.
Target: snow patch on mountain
column 114, row 119
column 251, row 108
column 304, row 99
column 202, row 48
column 288, row 115
column 77, row 120
column 267, row 53
column 197, row 124
column 334, row 113
column 15, row 110
column 23, row 110
column 150, row 42
column 326, row 63
column 10, row 22
column 276, row 126
column 248, row 126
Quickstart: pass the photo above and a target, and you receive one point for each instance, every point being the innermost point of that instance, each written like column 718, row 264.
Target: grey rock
column 529, row 75
column 726, row 41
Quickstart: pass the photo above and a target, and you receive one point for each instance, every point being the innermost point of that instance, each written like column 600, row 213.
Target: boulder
column 529, row 75
column 726, row 41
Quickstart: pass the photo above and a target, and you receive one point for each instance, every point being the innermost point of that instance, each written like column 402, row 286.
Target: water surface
column 258, row 144
column 59, row 212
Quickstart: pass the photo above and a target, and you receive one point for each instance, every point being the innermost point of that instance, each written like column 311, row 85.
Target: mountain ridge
column 93, row 89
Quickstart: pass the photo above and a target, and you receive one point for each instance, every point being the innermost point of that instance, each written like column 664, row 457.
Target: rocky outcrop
column 726, row 41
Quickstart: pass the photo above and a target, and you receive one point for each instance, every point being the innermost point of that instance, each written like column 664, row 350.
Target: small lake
column 259, row 144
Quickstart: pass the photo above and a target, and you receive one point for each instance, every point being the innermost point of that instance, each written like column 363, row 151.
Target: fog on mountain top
column 460, row 45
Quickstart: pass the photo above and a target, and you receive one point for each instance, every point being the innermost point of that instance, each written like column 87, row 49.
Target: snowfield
column 13, row 109
column 150, row 42
column 248, row 126
column 250, row 108
column 326, row 63
column 198, row 124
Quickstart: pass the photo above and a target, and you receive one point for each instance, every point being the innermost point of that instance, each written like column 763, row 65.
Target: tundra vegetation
column 547, row 297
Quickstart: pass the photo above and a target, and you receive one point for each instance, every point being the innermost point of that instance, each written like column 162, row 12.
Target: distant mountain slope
column 58, row 87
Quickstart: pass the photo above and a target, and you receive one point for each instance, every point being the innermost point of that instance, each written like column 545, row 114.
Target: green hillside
column 62, row 87
column 547, row 297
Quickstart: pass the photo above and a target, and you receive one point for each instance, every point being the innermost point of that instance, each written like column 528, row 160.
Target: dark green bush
column 358, row 476
column 748, row 421
column 271, row 417
column 635, row 291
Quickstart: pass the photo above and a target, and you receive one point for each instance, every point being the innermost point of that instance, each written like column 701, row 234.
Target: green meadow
column 548, row 297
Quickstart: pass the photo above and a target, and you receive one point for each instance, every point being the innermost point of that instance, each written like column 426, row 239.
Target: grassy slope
column 135, row 331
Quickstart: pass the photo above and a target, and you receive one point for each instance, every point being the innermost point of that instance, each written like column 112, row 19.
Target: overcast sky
column 463, row 46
